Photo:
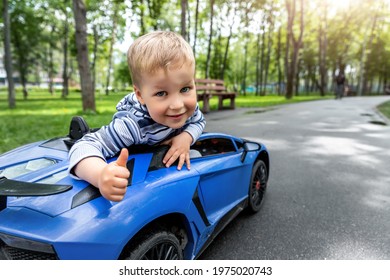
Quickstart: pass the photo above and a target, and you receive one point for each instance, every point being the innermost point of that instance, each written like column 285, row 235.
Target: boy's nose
column 176, row 103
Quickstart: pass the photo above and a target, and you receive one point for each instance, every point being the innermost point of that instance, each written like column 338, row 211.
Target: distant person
column 162, row 109
column 340, row 85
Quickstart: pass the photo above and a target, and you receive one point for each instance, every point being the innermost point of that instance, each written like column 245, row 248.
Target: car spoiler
column 18, row 188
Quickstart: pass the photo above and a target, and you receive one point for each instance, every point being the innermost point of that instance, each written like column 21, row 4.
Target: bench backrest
column 210, row 85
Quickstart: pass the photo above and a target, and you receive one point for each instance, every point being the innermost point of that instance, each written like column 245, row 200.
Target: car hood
column 38, row 189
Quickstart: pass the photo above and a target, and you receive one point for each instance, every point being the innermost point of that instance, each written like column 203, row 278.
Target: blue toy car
column 166, row 213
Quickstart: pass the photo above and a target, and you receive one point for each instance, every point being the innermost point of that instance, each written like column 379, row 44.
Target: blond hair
column 156, row 50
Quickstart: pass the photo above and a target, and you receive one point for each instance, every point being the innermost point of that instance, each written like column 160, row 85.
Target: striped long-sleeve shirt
column 131, row 125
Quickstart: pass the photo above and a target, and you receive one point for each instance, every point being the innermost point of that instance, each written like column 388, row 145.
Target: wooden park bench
column 207, row 88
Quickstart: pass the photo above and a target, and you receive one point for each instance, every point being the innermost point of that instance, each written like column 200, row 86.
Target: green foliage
column 38, row 28
column 44, row 116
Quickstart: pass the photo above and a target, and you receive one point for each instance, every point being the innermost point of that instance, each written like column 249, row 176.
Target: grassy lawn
column 44, row 116
column 385, row 109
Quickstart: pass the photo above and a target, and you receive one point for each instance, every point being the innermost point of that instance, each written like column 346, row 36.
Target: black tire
column 257, row 186
column 160, row 245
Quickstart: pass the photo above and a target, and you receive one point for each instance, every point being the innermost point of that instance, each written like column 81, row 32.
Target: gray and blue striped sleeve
column 106, row 142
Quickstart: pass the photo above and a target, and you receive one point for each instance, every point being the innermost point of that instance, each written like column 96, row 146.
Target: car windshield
column 214, row 146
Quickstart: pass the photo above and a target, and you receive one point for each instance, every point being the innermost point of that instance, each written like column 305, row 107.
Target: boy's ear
column 138, row 95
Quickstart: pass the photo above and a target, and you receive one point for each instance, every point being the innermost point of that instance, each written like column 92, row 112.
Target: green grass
column 44, row 116
column 385, row 109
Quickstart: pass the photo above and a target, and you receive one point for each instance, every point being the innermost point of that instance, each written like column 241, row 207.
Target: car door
column 223, row 177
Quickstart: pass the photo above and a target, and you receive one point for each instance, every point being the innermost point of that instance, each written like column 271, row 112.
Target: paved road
column 329, row 187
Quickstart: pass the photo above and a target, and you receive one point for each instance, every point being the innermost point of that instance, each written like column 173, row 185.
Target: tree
column 65, row 46
column 87, row 92
column 293, row 45
column 231, row 24
column 27, row 37
column 207, row 71
column 367, row 45
column 184, row 5
column 112, row 42
column 196, row 26
column 155, row 11
column 323, row 45
column 247, row 8
column 269, row 46
column 8, row 56
column 278, row 63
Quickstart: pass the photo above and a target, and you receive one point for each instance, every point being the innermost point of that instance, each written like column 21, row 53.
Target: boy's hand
column 180, row 148
column 113, row 178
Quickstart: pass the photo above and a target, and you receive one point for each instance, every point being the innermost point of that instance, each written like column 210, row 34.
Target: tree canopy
column 285, row 47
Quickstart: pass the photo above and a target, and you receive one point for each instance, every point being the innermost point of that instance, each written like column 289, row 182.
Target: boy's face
column 170, row 96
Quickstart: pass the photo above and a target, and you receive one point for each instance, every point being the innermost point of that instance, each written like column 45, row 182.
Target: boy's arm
column 180, row 144
column 111, row 179
column 86, row 158
column 180, row 149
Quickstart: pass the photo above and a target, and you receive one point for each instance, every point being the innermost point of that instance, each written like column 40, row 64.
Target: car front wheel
column 258, row 186
column 160, row 245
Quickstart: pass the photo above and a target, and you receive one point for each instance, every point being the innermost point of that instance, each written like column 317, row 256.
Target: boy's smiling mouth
column 177, row 116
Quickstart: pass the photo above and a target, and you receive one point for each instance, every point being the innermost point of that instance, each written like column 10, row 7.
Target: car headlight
column 26, row 244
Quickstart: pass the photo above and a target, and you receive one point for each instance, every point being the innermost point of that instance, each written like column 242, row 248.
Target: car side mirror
column 249, row 147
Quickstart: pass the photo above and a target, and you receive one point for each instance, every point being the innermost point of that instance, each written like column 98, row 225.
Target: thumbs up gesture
column 112, row 181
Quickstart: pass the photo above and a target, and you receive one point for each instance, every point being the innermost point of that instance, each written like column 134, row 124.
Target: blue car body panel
column 81, row 224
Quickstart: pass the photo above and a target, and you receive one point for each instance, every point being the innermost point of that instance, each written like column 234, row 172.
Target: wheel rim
column 259, row 184
column 162, row 251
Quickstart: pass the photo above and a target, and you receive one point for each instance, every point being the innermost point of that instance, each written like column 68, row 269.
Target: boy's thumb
column 122, row 158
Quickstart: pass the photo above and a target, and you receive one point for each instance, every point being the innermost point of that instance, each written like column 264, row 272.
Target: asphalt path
column 329, row 189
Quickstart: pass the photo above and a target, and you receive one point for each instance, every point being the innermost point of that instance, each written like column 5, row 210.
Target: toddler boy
column 163, row 107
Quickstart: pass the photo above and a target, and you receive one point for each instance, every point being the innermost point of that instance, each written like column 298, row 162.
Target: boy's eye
column 185, row 89
column 161, row 93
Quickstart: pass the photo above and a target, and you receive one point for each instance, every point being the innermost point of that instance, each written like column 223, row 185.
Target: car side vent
column 12, row 253
column 87, row 194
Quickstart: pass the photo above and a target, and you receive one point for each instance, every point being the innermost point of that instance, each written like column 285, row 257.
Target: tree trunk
column 87, row 93
column 297, row 81
column 23, row 80
column 113, row 38
column 362, row 87
column 22, row 66
column 196, row 26
column 7, row 56
column 295, row 44
column 65, row 76
column 261, row 72
column 322, row 38
column 207, row 74
column 257, row 83
column 278, row 57
column 269, row 48
column 142, row 18
column 225, row 56
column 94, row 55
column 51, row 64
column 246, row 40
column 184, row 4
